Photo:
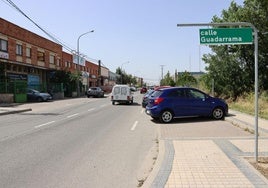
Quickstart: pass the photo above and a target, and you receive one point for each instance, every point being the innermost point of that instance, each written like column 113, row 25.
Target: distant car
column 34, row 95
column 143, row 90
column 145, row 98
column 121, row 94
column 177, row 102
column 133, row 88
column 95, row 92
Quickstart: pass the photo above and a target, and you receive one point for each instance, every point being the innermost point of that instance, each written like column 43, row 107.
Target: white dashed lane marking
column 134, row 126
column 48, row 123
column 72, row 115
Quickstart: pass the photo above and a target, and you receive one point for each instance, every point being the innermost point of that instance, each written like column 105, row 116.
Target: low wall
column 59, row 95
column 6, row 98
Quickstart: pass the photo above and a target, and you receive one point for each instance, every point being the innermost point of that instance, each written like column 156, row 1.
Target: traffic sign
column 217, row 36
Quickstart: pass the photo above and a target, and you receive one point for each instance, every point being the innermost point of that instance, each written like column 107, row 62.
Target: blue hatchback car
column 178, row 102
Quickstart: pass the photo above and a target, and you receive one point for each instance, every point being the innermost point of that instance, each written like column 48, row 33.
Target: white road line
column 91, row 109
column 72, row 115
column 38, row 126
column 134, row 126
column 142, row 111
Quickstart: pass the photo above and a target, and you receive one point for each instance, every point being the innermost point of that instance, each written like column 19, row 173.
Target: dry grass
column 246, row 104
column 261, row 165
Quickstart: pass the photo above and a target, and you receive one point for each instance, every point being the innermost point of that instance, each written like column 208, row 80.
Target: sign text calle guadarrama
column 226, row 36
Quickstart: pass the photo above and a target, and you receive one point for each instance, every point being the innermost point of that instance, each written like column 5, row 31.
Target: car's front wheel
column 218, row 113
column 166, row 116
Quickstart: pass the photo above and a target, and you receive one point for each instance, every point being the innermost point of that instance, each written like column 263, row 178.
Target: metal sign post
column 255, row 33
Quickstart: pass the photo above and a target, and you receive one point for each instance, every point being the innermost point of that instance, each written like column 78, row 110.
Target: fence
column 18, row 89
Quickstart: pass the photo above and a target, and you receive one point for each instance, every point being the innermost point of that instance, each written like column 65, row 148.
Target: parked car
column 143, row 90
column 145, row 98
column 133, row 88
column 95, row 92
column 34, row 95
column 147, row 95
column 121, row 94
column 176, row 102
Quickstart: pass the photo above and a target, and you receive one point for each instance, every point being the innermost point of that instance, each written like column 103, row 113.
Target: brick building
column 27, row 56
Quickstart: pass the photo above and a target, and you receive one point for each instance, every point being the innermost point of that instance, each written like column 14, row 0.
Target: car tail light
column 158, row 100
column 128, row 98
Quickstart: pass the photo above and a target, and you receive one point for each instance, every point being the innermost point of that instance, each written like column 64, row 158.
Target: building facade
column 29, row 57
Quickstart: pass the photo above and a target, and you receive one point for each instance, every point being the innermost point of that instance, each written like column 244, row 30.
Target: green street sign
column 226, row 36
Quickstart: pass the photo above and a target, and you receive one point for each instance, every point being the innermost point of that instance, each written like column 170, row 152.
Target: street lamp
column 122, row 71
column 78, row 54
column 78, row 59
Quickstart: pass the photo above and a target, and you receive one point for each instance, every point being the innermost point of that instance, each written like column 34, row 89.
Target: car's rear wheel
column 166, row 116
column 218, row 113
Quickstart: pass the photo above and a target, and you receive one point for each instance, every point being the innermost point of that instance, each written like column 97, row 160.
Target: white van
column 121, row 94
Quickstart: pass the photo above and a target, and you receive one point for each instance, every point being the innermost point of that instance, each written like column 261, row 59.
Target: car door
column 197, row 103
column 178, row 100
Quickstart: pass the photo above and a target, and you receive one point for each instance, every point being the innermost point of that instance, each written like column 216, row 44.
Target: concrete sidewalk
column 211, row 162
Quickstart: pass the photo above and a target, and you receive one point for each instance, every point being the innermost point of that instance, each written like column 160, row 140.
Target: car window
column 195, row 94
column 116, row 90
column 179, row 93
column 123, row 90
column 157, row 93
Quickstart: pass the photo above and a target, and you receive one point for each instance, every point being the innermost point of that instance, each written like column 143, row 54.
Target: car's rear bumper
column 152, row 111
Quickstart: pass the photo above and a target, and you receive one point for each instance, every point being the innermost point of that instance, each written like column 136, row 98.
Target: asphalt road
column 91, row 143
column 76, row 143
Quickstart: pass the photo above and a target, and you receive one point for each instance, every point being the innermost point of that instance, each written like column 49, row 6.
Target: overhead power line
column 37, row 25
column 53, row 37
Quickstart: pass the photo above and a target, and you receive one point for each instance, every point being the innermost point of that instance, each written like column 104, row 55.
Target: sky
column 139, row 36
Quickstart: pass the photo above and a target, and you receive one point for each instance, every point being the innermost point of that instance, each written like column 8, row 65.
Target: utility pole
column 162, row 67
column 99, row 73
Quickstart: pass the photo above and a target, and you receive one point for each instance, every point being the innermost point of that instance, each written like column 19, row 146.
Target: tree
column 125, row 78
column 70, row 80
column 167, row 80
column 186, row 79
column 232, row 67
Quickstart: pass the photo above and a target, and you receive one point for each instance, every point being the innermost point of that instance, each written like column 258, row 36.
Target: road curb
column 245, row 126
column 158, row 163
column 5, row 112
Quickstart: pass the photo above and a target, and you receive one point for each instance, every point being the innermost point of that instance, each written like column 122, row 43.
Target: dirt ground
column 261, row 166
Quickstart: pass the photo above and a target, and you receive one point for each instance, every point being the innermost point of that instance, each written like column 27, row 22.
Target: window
column 19, row 49
column 40, row 56
column 52, row 59
column 28, row 52
column 3, row 45
column 58, row 62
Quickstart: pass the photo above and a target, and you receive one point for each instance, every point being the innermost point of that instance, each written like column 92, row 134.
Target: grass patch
column 246, row 104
